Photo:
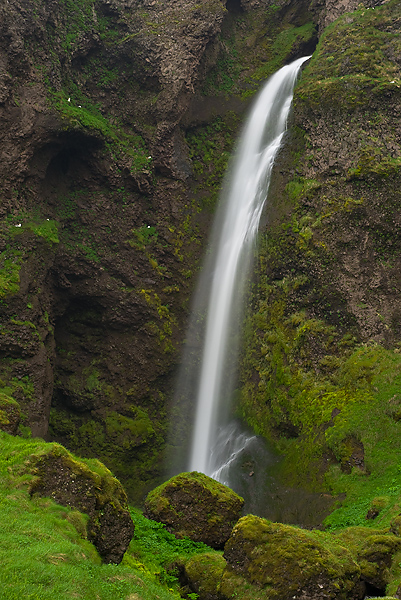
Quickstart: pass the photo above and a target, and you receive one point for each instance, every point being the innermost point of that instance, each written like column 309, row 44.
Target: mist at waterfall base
column 221, row 446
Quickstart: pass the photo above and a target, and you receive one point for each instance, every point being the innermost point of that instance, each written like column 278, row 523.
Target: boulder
column 196, row 506
column 202, row 574
column 287, row 562
column 90, row 488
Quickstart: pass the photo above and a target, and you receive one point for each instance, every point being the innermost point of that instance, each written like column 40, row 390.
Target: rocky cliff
column 322, row 364
column 117, row 119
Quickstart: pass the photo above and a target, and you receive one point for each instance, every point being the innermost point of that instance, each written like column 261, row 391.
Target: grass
column 80, row 112
column 153, row 545
column 44, row 553
column 376, row 423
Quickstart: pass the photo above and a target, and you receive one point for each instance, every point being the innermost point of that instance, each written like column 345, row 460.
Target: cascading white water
column 243, row 202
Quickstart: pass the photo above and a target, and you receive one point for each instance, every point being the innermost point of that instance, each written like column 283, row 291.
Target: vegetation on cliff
column 117, row 124
column 321, row 372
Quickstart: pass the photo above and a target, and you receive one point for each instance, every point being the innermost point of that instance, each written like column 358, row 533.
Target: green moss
column 143, row 236
column 20, row 387
column 82, row 113
column 128, row 431
column 10, row 265
column 194, row 505
column 205, row 572
column 253, row 45
column 215, row 488
column 129, row 445
column 350, row 65
column 210, row 147
column 9, row 408
column 283, row 45
column 48, row 230
column 45, row 543
column 166, row 324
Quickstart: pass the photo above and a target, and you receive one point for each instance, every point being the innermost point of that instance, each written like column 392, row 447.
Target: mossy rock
column 196, row 506
column 374, row 550
column 10, row 414
column 288, row 562
column 264, row 560
column 203, row 573
column 90, row 489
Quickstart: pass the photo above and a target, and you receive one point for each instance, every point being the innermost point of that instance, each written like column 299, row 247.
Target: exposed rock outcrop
column 196, row 506
column 264, row 560
column 108, row 176
column 94, row 491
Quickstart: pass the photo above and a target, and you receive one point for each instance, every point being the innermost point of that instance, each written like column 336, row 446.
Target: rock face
column 327, row 324
column 95, row 261
column 333, row 9
column 95, row 492
column 10, row 414
column 196, row 506
column 116, row 120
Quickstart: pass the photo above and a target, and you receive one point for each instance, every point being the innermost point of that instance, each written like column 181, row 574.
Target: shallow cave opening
column 79, row 338
column 371, row 591
column 304, row 48
column 234, row 7
column 63, row 163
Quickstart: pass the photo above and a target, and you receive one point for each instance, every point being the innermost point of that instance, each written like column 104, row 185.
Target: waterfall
column 216, row 444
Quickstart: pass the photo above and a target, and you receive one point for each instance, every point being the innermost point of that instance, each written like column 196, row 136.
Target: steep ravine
column 117, row 120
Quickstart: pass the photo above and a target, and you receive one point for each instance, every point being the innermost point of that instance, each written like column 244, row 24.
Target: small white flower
column 148, row 226
column 79, row 106
column 149, row 157
column 69, row 100
column 19, row 225
column 392, row 81
column 47, row 219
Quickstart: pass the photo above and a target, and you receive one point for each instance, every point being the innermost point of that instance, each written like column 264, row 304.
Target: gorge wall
column 117, row 120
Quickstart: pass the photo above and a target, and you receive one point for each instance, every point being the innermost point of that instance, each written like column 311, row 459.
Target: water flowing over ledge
column 221, row 286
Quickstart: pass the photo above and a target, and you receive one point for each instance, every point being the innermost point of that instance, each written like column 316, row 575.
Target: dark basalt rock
column 196, row 506
column 95, row 492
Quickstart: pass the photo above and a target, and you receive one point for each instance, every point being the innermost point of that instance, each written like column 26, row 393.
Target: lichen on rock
column 10, row 414
column 196, row 506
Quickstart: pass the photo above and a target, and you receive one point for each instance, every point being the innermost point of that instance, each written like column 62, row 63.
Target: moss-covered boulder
column 202, row 575
column 10, row 414
column 373, row 550
column 90, row 488
column 196, row 506
column 271, row 561
column 289, row 562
